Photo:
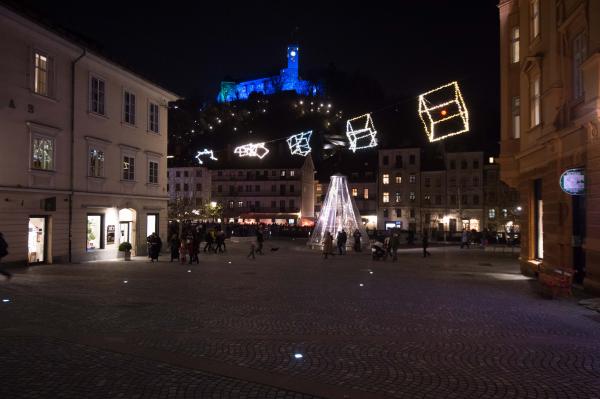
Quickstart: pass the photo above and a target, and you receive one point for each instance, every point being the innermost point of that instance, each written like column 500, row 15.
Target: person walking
column 425, row 244
column 387, row 247
column 3, row 253
column 252, row 251
column 195, row 248
column 183, row 249
column 395, row 244
column 464, row 239
column 357, row 235
column 220, row 241
column 327, row 244
column 155, row 246
column 174, row 244
column 260, row 238
column 209, row 241
column 340, row 242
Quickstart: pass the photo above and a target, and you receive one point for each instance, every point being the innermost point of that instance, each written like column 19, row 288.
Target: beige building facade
column 83, row 160
column 550, row 118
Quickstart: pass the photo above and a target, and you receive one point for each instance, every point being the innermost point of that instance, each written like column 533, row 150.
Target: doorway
column 37, row 239
column 579, row 227
column 125, row 232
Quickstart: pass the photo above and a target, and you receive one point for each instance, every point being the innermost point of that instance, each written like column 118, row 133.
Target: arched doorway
column 127, row 227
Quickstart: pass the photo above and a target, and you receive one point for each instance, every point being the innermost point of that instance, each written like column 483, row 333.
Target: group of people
column 188, row 248
column 341, row 240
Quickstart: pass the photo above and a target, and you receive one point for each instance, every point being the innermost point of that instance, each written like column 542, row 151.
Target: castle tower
column 289, row 75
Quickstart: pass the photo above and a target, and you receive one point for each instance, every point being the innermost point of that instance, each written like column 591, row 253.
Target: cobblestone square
column 460, row 324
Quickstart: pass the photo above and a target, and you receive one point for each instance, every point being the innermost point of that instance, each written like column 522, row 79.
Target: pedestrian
column 425, row 244
column 183, row 249
column 395, row 244
column 260, row 238
column 155, row 245
column 195, row 249
column 464, row 239
column 3, row 253
column 387, row 247
column 252, row 251
column 340, row 241
column 327, row 244
column 209, row 241
column 220, row 241
column 174, row 244
column 357, row 235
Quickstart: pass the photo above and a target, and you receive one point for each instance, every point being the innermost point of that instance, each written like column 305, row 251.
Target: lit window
column 412, row 196
column 153, row 112
column 283, row 173
column 516, row 117
column 42, row 75
column 230, row 205
column 386, row 179
column 129, row 107
column 514, row 45
column 386, row 198
column 292, row 173
column 398, row 212
column 579, row 54
column 128, row 168
column 427, row 197
column 535, row 19
column 366, row 193
column 42, row 153
column 96, row 162
column 398, row 197
column 153, row 172
column 240, row 204
column 398, row 179
column 354, row 192
column 492, row 213
column 97, row 95
column 412, row 178
column 535, row 98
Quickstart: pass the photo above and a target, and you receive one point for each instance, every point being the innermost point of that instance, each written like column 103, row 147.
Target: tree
column 211, row 211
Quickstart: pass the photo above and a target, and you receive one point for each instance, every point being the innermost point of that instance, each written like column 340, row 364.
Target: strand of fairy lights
column 199, row 155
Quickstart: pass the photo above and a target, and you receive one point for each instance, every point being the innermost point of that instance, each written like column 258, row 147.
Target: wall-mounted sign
column 110, row 234
column 572, row 181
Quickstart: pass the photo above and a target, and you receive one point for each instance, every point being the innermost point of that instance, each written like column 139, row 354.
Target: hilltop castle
column 288, row 79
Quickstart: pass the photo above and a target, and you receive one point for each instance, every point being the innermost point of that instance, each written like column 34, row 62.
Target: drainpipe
column 72, row 161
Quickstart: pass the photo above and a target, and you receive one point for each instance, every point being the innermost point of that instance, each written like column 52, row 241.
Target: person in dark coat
column 155, row 245
column 357, row 235
column 425, row 244
column 3, row 253
column 174, row 244
column 260, row 238
column 220, row 241
column 340, row 242
column 209, row 241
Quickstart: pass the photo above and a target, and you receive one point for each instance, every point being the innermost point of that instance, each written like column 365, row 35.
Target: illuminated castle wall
column 288, row 79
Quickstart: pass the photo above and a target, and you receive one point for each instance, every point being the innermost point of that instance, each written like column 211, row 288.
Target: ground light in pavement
column 5, row 300
column 125, row 281
column 298, row 355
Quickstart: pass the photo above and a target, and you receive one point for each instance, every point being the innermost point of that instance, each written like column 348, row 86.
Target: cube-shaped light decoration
column 299, row 144
column 252, row 150
column 361, row 132
column 443, row 112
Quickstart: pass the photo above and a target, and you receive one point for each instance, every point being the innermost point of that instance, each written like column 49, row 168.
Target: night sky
column 410, row 47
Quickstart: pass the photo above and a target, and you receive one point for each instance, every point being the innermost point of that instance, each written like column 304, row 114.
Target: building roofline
column 75, row 43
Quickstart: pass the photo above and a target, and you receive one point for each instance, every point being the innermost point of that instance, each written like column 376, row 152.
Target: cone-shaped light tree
column 338, row 212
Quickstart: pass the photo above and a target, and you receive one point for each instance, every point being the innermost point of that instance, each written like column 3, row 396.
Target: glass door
column 36, row 240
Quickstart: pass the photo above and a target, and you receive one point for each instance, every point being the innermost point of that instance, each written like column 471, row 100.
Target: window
column 186, row 173
column 514, row 45
column 178, row 174
column 427, row 182
column 492, row 213
column 96, row 158
column 128, row 168
column 95, row 228
column 273, row 204
column 198, row 186
column 42, row 74
column 398, row 161
column 153, row 173
column 219, row 188
column 282, row 205
column 476, row 164
column 579, row 54
column 283, row 173
column 151, row 223
column 292, row 205
column 427, row 198
column 168, row 187
column 240, row 204
column 220, row 173
column 412, row 178
column 398, row 179
column 230, row 204
column 198, row 201
column 535, row 98
column 199, row 173
column 292, row 173
column 398, row 212
column 248, row 188
column 153, row 117
column 257, row 188
column 438, row 200
column 438, row 182
column 386, row 198
column 538, row 219
column 463, row 200
column 535, row 19
column 453, row 181
column 386, row 178
column 273, row 188
column 355, row 192
column 42, row 156
column 412, row 213
column 516, row 117
column 129, row 107
column 411, row 159
column 177, row 187
column 463, row 164
column 412, row 196
column 366, row 193
column 453, row 199
column 453, row 164
column 385, row 213
column 186, row 187
column 97, row 95
column 476, row 199
column 386, row 160
column 273, row 173
column 398, row 197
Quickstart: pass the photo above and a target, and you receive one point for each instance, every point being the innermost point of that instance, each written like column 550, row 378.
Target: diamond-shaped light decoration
column 300, row 143
column 361, row 132
column 443, row 112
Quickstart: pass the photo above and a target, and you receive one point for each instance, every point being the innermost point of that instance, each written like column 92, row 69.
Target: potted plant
column 126, row 247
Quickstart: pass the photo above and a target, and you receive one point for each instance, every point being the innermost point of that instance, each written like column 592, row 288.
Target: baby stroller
column 377, row 251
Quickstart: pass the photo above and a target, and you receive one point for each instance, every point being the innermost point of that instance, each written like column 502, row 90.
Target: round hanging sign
column 572, row 181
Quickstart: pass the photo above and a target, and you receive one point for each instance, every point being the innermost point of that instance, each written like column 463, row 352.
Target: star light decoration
column 252, row 150
column 199, row 154
column 300, row 143
column 443, row 112
column 361, row 132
